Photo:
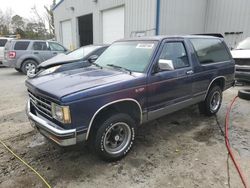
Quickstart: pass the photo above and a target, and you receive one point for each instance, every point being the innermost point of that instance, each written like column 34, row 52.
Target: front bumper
column 63, row 137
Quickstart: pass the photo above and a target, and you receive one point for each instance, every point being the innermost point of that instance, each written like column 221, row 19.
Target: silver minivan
column 26, row 55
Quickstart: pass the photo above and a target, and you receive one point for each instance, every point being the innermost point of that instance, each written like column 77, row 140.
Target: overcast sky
column 23, row 7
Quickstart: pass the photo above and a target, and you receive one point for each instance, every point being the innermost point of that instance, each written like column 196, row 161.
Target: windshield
column 82, row 52
column 244, row 45
column 132, row 55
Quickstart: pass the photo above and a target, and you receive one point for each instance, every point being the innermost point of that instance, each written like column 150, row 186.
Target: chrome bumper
column 63, row 137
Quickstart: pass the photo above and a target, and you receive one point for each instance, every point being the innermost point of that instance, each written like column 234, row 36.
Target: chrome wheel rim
column 215, row 101
column 117, row 138
column 30, row 67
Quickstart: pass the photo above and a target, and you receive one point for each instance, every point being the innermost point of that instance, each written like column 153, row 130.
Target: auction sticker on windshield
column 145, row 45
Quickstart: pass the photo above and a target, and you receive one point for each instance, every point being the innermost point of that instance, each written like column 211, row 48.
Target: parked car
column 134, row 81
column 3, row 41
column 241, row 55
column 78, row 58
column 24, row 55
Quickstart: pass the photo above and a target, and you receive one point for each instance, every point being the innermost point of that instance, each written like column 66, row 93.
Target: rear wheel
column 115, row 136
column 29, row 65
column 212, row 103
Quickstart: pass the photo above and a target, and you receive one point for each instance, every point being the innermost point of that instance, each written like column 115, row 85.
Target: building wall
column 176, row 17
column 139, row 16
column 229, row 16
column 182, row 16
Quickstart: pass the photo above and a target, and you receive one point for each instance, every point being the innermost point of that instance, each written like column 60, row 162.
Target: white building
column 82, row 22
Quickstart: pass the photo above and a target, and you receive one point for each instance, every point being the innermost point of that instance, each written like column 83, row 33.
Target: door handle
column 36, row 53
column 190, row 72
column 54, row 52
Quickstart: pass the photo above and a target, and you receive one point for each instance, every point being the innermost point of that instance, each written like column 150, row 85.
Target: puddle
column 204, row 134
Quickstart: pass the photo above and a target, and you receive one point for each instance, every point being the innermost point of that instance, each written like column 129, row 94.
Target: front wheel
column 212, row 103
column 115, row 137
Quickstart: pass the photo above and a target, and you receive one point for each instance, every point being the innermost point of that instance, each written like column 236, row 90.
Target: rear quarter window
column 21, row 45
column 3, row 42
column 210, row 50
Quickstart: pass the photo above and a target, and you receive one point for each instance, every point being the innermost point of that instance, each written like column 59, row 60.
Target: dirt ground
column 184, row 149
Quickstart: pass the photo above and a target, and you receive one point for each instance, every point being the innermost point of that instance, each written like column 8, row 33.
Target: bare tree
column 37, row 17
column 5, row 21
column 50, row 17
column 8, row 17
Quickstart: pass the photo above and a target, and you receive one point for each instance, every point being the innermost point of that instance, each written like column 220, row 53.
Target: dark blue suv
column 132, row 82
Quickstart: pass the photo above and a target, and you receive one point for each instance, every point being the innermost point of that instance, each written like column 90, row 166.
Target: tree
column 50, row 18
column 5, row 21
column 35, row 30
column 17, row 22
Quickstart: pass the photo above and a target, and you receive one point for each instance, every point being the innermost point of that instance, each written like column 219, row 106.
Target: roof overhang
column 57, row 5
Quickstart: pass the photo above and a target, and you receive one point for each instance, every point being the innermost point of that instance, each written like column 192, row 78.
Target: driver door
column 169, row 90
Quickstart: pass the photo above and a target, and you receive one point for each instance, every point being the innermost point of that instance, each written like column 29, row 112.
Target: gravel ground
column 184, row 149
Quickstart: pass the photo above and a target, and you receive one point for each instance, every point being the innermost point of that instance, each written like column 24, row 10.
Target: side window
column 176, row 52
column 3, row 42
column 40, row 46
column 210, row 50
column 21, row 45
column 56, row 47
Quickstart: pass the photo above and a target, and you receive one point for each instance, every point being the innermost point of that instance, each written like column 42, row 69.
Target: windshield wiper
column 121, row 68
column 93, row 63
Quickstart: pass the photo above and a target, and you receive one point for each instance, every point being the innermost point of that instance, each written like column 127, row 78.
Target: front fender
column 84, row 111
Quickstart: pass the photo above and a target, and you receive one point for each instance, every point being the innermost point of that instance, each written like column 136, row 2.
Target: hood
column 57, row 60
column 240, row 54
column 65, row 83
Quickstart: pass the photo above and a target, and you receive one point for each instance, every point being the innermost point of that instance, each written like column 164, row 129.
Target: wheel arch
column 114, row 106
column 26, row 57
column 220, row 81
column 29, row 58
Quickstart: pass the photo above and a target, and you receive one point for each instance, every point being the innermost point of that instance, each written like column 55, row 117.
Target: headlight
column 49, row 70
column 61, row 113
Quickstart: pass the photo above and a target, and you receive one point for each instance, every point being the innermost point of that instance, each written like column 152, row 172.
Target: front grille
column 242, row 61
column 41, row 104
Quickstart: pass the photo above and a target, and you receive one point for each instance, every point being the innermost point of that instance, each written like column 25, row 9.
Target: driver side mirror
column 165, row 65
column 93, row 58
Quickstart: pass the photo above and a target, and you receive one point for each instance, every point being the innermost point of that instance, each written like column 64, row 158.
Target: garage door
column 66, row 34
column 113, row 25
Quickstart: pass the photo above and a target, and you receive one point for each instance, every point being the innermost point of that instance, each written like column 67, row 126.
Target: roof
column 35, row 40
column 161, row 37
column 57, row 5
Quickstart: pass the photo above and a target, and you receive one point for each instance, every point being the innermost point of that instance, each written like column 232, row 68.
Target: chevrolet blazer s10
column 134, row 81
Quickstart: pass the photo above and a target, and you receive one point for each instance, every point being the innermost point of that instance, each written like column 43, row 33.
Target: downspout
column 157, row 22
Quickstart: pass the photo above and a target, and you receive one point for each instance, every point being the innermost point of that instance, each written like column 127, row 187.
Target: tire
column 212, row 103
column 29, row 64
column 18, row 70
column 244, row 94
column 115, row 137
